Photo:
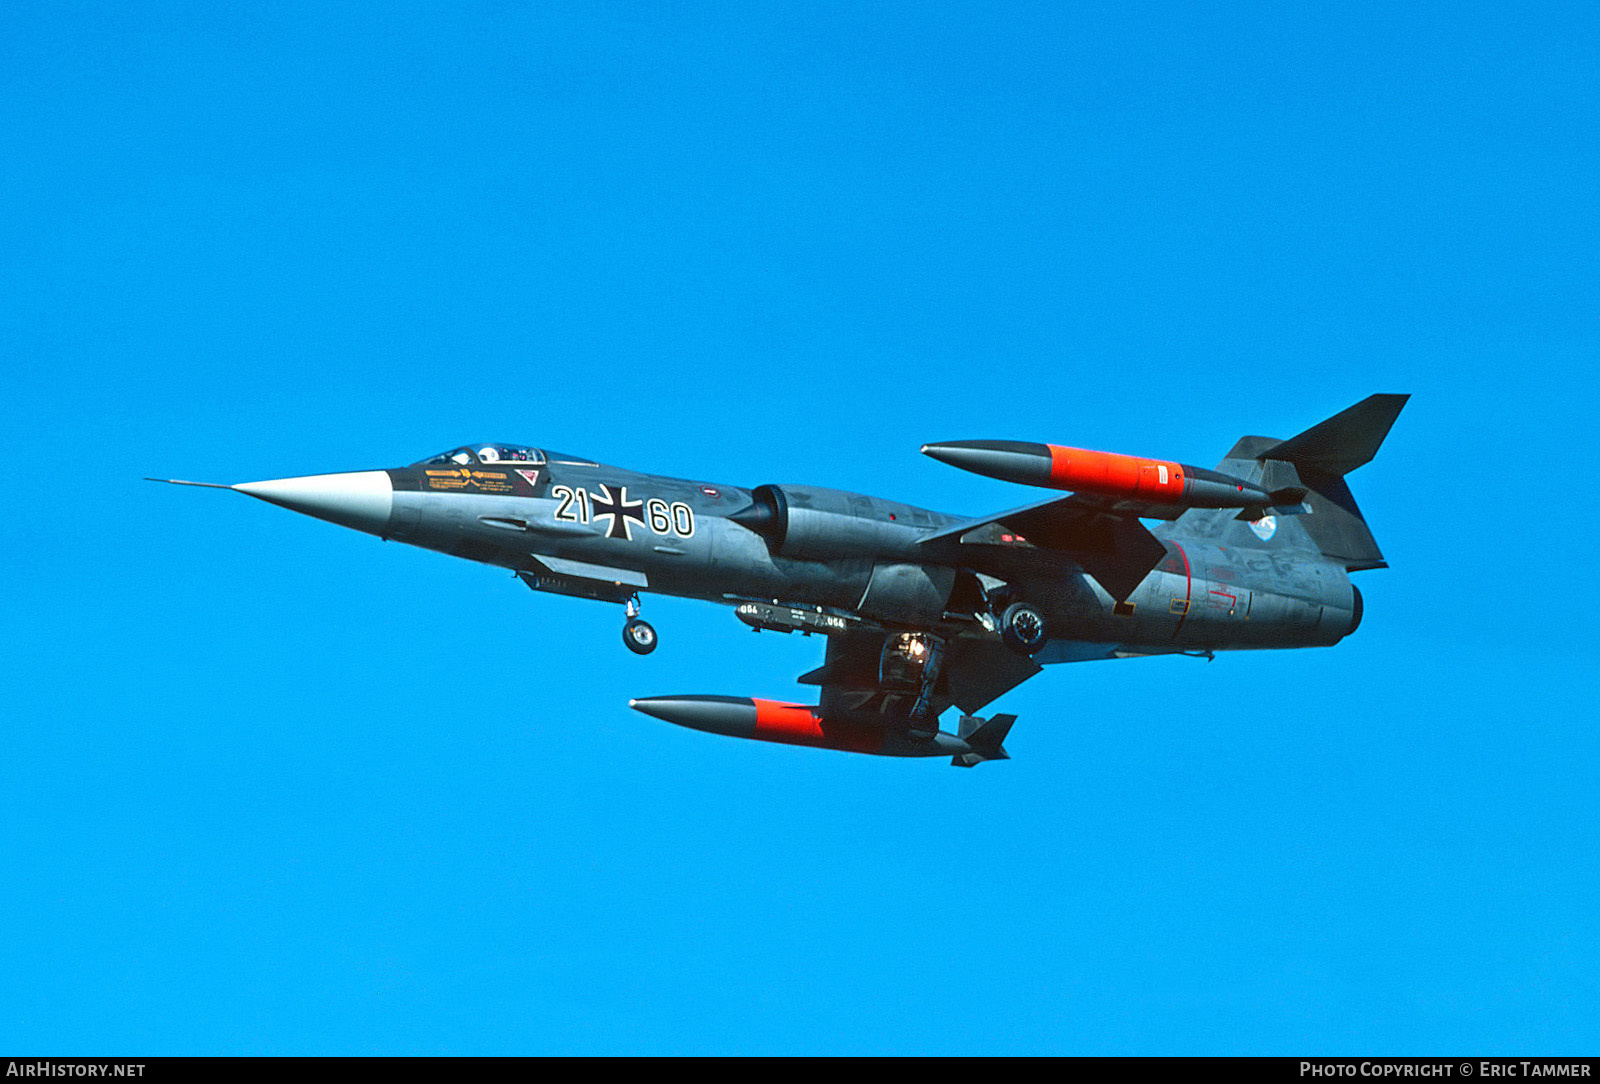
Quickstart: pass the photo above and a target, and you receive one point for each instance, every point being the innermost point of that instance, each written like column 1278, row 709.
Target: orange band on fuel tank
column 778, row 721
column 1115, row 475
column 799, row 724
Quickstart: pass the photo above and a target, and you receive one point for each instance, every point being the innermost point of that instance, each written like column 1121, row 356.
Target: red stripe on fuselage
column 1188, row 586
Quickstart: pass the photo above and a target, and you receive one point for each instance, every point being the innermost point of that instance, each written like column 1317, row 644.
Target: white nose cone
column 362, row 499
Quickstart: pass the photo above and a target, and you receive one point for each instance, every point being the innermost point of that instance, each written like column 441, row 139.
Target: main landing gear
column 639, row 636
column 1021, row 625
column 1022, row 628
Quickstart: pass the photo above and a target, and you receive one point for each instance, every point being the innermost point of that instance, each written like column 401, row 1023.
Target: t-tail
column 1317, row 461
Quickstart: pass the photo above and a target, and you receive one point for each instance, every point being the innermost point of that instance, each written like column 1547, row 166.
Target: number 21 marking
column 570, row 497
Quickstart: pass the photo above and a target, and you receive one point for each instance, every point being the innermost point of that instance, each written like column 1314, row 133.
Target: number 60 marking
column 675, row 518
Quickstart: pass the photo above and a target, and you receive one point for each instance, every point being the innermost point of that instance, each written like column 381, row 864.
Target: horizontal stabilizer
column 1345, row 441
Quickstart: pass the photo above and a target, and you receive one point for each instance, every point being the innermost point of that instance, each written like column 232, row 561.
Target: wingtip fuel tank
column 803, row 724
column 1105, row 474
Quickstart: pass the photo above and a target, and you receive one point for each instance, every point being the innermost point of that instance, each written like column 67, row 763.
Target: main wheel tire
column 640, row 636
column 1022, row 628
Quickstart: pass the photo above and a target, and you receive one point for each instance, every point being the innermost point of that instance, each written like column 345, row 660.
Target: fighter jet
column 922, row 610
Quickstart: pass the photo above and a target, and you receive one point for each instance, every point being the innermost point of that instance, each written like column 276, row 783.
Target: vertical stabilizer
column 1317, row 461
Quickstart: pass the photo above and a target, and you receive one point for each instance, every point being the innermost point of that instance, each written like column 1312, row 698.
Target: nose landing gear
column 639, row 636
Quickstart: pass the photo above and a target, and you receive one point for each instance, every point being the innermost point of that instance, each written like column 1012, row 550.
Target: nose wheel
column 639, row 635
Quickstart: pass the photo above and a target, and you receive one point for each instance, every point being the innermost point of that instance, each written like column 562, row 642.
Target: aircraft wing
column 976, row 670
column 1101, row 534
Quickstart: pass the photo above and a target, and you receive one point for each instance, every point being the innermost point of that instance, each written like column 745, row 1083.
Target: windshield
column 484, row 453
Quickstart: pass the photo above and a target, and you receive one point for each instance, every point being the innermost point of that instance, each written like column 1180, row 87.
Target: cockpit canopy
column 484, row 453
column 471, row 454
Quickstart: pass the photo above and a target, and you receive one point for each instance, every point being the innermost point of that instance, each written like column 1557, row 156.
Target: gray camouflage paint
column 1205, row 580
column 1221, row 587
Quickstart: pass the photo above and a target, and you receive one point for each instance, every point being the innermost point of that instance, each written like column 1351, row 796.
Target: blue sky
column 275, row 787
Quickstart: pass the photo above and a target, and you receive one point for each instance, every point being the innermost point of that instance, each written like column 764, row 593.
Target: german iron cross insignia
column 619, row 509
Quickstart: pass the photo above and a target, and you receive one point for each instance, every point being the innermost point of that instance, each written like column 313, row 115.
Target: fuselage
column 578, row 527
column 921, row 611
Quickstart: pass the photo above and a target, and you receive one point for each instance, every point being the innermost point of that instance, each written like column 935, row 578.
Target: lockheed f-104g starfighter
column 922, row 610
